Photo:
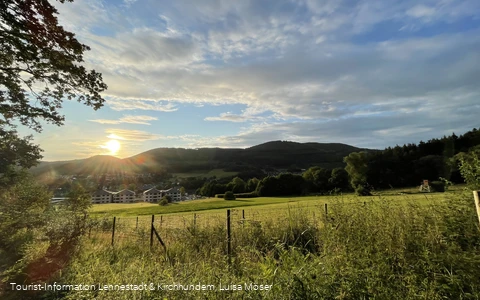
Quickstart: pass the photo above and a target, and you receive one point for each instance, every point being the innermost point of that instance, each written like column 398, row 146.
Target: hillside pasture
column 205, row 205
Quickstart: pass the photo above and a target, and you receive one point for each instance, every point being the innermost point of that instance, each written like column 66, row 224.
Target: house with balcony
column 174, row 194
column 124, row 196
column 102, row 196
column 153, row 195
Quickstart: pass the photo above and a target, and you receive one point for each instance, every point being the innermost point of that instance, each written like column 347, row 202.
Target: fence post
column 229, row 238
column 477, row 203
column 161, row 221
column 136, row 227
column 243, row 217
column 113, row 229
column 151, row 231
column 326, row 209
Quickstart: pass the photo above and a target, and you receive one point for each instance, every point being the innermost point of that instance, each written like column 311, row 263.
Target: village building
column 174, row 194
column 153, row 195
column 102, row 196
column 124, row 196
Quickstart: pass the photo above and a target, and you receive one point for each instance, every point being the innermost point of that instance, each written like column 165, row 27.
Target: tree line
column 393, row 167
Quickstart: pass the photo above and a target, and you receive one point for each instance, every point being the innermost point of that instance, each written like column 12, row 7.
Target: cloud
column 126, row 104
column 132, row 135
column 315, row 66
column 127, row 119
column 231, row 118
column 421, row 11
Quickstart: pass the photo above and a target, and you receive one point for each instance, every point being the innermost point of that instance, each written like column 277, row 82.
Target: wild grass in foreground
column 376, row 251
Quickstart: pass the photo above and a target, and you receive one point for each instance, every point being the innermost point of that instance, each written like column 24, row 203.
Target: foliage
column 470, row 169
column 252, row 184
column 357, row 168
column 164, row 201
column 437, row 186
column 36, row 235
column 237, row 185
column 182, row 191
column 229, row 196
column 33, row 43
column 78, row 199
column 318, row 178
column 40, row 66
column 285, row 184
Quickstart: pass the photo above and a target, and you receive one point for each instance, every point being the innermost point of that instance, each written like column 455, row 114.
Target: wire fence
column 145, row 229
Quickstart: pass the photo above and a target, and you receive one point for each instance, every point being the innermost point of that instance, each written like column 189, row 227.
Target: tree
column 252, row 184
column 229, row 195
column 237, row 185
column 182, row 191
column 357, row 167
column 78, row 199
column 338, row 179
column 40, row 67
column 470, row 168
column 15, row 152
column 317, row 178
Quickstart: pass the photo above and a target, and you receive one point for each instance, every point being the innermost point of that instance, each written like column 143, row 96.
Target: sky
column 223, row 73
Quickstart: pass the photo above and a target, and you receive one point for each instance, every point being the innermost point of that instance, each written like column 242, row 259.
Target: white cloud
column 132, row 135
column 421, row 11
column 127, row 119
column 127, row 104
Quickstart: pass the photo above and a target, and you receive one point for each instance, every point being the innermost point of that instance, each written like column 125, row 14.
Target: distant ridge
column 275, row 154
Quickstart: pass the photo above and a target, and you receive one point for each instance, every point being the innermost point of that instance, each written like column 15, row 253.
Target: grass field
column 218, row 173
column 398, row 244
column 211, row 204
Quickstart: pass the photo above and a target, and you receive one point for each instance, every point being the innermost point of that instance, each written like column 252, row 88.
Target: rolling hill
column 276, row 154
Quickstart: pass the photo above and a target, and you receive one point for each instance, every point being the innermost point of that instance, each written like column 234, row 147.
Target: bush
column 163, row 201
column 229, row 196
column 247, row 195
column 362, row 191
column 437, row 186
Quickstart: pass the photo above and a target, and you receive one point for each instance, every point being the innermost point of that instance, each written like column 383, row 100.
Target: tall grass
column 372, row 251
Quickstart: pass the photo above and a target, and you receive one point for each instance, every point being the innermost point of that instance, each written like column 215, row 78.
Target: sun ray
column 113, row 146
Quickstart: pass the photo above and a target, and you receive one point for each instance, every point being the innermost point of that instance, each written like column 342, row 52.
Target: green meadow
column 211, row 204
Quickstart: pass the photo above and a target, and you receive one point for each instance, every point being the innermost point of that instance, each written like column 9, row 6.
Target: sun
column 113, row 146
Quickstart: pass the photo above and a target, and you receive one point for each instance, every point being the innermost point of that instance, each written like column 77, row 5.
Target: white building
column 174, row 194
column 102, row 196
column 153, row 195
column 124, row 196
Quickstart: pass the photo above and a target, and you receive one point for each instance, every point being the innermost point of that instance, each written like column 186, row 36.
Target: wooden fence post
column 113, row 229
column 161, row 221
column 326, row 209
column 477, row 203
column 136, row 227
column 229, row 238
column 151, row 231
column 243, row 217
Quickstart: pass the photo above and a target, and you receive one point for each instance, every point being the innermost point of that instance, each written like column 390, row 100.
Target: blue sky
column 214, row 73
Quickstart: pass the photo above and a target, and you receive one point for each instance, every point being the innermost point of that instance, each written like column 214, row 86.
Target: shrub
column 437, row 186
column 229, row 196
column 246, row 195
column 163, row 201
column 362, row 191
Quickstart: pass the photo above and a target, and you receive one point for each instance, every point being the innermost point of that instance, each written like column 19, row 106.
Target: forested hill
column 407, row 165
column 276, row 154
